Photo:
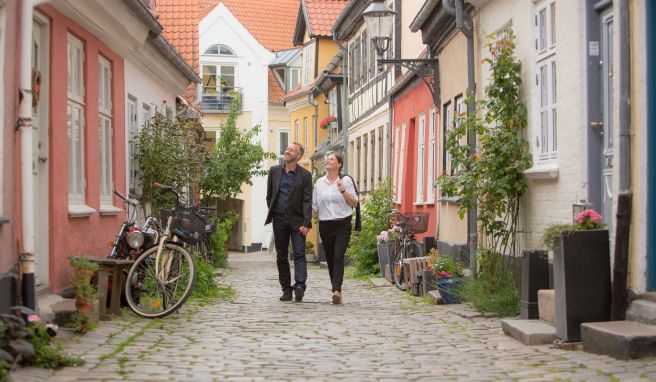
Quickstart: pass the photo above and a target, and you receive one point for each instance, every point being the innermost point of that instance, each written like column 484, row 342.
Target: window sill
column 450, row 199
column 542, row 171
column 80, row 211
column 418, row 203
column 108, row 210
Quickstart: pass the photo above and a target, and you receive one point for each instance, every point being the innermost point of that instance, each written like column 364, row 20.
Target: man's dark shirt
column 285, row 190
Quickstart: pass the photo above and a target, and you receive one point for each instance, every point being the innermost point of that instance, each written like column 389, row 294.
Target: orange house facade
column 414, row 150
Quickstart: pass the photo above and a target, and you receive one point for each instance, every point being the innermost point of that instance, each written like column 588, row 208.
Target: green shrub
column 220, row 238
column 363, row 251
column 206, row 286
column 553, row 232
column 504, row 301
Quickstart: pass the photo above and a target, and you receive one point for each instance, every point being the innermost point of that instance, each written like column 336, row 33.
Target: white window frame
column 218, row 74
column 219, row 46
column 448, row 124
column 3, row 31
column 404, row 127
column 132, row 113
column 545, row 111
column 307, row 63
column 297, row 131
column 282, row 147
column 305, row 135
column 76, row 122
column 106, row 133
column 147, row 115
column 421, row 157
column 432, row 126
column 294, row 78
column 397, row 146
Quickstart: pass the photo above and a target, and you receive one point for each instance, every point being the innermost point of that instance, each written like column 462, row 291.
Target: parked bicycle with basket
column 162, row 278
column 410, row 223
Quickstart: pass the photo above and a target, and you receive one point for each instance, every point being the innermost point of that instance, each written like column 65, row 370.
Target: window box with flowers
column 581, row 268
column 444, row 273
column 325, row 123
column 386, row 248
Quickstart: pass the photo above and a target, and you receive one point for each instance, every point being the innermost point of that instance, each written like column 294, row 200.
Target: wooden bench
column 113, row 268
column 412, row 268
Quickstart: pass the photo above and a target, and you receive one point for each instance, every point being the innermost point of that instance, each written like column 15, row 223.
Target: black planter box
column 535, row 276
column 582, row 286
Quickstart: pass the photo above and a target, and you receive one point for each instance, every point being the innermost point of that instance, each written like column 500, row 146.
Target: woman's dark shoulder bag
column 358, row 221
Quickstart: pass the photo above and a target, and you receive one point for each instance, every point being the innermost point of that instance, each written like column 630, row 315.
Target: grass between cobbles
column 129, row 341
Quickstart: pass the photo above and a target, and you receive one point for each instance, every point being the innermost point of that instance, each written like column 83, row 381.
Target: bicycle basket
column 187, row 223
column 415, row 222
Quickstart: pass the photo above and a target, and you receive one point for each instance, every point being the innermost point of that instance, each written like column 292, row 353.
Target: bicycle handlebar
column 129, row 201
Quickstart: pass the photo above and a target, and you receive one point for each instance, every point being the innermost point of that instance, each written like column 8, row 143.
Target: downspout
column 625, row 98
column 465, row 25
column 27, row 256
column 314, row 103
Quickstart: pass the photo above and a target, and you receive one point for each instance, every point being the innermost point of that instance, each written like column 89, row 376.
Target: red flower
column 443, row 274
column 326, row 121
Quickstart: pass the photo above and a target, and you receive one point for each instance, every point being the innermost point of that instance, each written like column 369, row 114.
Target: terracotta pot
column 84, row 307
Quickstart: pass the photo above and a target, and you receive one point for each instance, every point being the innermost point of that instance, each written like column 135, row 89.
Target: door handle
column 597, row 123
column 43, row 159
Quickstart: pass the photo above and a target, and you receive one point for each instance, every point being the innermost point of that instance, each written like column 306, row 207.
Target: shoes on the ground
column 286, row 295
column 299, row 291
column 337, row 297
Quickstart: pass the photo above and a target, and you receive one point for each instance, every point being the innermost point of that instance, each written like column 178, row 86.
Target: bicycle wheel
column 204, row 247
column 154, row 293
column 396, row 267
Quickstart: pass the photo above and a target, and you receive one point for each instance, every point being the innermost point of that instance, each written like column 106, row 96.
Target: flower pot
column 582, row 285
column 449, row 287
column 83, row 307
column 385, row 253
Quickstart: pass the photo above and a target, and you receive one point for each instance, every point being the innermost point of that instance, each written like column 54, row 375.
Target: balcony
column 219, row 100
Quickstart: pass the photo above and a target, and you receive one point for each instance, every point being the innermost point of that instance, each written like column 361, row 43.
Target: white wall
column 548, row 200
column 251, row 74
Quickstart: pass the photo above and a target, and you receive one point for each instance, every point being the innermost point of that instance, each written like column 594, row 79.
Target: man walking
column 289, row 197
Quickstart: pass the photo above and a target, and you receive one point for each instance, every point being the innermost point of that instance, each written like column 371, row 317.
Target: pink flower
column 429, row 267
column 32, row 318
column 443, row 274
column 382, row 237
column 591, row 215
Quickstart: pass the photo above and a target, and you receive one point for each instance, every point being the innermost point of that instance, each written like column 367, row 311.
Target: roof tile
column 322, row 15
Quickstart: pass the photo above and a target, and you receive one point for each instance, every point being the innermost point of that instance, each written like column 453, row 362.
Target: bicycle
column 162, row 278
column 410, row 224
column 204, row 244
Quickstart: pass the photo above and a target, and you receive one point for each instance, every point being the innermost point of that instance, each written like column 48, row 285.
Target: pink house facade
column 414, row 150
column 79, row 55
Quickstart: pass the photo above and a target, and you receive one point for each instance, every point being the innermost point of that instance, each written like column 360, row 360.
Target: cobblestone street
column 377, row 334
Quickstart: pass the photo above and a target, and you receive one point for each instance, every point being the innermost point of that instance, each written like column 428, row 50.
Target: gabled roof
column 270, row 22
column 284, row 57
column 318, row 17
column 276, row 92
column 180, row 21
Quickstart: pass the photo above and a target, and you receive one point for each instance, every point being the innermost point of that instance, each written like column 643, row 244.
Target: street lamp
column 379, row 19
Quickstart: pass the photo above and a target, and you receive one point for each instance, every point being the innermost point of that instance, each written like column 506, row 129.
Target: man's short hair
column 300, row 148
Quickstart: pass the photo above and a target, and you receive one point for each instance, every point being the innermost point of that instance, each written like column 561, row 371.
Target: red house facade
column 414, row 149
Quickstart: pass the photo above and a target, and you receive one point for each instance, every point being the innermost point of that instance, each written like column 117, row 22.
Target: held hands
column 303, row 230
column 340, row 185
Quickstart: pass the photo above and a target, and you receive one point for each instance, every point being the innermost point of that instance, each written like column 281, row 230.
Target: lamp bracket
column 425, row 68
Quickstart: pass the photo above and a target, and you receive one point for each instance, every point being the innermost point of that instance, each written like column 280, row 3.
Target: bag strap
column 357, row 193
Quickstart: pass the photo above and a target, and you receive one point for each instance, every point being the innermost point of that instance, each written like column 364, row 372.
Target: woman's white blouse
column 328, row 200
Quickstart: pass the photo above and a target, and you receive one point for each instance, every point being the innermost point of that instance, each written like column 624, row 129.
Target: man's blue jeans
column 283, row 233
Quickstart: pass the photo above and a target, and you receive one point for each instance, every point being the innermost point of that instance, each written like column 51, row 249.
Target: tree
column 234, row 160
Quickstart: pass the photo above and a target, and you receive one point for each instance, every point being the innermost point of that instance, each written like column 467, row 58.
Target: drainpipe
column 625, row 98
column 314, row 103
column 465, row 25
column 344, row 122
column 27, row 256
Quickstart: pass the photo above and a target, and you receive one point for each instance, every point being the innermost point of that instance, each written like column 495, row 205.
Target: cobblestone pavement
column 378, row 334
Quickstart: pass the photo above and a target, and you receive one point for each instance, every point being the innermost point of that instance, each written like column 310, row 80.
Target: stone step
column 547, row 306
column 529, row 332
column 619, row 339
column 643, row 309
column 62, row 311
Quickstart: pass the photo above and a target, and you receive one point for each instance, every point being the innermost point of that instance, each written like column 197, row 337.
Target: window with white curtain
column 306, row 134
column 307, row 64
column 133, row 137
column 397, row 145
column 421, row 157
column 446, row 126
column 399, row 190
column 76, row 123
column 297, row 131
column 545, row 108
column 432, row 119
column 105, row 130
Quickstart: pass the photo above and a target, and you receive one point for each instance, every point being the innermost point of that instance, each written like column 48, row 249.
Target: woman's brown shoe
column 337, row 297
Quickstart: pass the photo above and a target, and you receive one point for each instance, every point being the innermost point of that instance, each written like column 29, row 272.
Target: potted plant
column 386, row 245
column 310, row 253
column 448, row 274
column 582, row 285
column 86, row 294
column 326, row 121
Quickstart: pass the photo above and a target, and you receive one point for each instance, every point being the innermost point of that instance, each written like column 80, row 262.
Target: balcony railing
column 220, row 101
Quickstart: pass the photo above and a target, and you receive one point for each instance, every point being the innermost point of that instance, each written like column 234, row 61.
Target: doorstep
column 529, row 332
column 619, row 339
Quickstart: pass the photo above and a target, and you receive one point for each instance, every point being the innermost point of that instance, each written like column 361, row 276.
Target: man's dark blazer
column 299, row 209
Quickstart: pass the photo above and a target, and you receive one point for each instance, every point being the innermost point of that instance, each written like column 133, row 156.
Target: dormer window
column 220, row 50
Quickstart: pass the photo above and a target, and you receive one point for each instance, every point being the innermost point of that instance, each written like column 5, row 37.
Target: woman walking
column 334, row 199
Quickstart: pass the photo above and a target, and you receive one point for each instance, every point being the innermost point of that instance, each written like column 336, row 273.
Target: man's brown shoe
column 337, row 297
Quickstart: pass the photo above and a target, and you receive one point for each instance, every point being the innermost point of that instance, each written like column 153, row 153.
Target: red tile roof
column 322, row 15
column 276, row 92
column 180, row 21
column 272, row 23
column 299, row 90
